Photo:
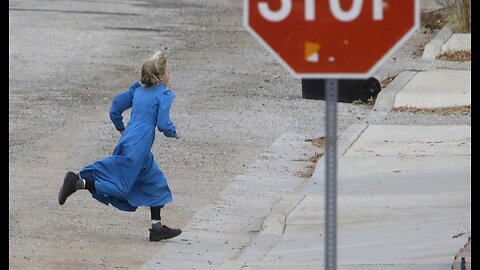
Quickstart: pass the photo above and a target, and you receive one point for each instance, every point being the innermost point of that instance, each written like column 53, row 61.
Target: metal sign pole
column 331, row 94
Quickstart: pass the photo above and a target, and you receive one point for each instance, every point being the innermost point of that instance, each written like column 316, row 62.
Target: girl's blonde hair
column 153, row 68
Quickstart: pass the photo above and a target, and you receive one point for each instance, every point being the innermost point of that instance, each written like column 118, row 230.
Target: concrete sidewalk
column 438, row 88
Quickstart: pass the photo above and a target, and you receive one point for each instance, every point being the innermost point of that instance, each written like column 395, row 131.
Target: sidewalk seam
column 289, row 212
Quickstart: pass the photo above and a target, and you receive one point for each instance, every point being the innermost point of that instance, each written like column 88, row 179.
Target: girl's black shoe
column 68, row 187
column 158, row 233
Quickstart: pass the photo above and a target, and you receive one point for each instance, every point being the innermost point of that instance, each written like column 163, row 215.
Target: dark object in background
column 463, row 264
column 349, row 90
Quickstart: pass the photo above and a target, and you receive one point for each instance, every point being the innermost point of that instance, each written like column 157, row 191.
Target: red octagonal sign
column 331, row 38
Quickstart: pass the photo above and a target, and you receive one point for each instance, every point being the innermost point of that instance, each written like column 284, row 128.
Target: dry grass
column 318, row 142
column 387, row 80
column 310, row 168
column 370, row 101
column 464, row 110
column 460, row 56
column 315, row 158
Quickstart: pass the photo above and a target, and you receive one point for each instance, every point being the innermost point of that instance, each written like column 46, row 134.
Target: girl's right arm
column 120, row 103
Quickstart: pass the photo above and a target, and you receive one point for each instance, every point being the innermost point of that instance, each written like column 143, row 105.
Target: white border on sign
column 369, row 73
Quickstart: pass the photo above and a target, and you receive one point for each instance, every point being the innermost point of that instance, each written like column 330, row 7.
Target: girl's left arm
column 164, row 123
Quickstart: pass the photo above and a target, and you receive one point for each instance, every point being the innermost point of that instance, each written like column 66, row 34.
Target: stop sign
column 331, row 38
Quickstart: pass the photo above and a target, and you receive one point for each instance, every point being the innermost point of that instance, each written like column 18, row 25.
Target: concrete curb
column 386, row 98
column 434, row 47
column 345, row 141
column 272, row 230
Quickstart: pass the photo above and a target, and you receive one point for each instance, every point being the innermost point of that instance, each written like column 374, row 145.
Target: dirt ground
column 67, row 60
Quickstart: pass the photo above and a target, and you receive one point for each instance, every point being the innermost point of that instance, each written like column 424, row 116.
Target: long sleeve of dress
column 164, row 124
column 121, row 103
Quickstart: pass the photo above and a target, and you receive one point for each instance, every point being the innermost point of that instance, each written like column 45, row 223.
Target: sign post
column 331, row 39
column 331, row 88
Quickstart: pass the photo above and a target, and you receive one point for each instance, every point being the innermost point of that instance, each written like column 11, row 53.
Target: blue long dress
column 131, row 177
